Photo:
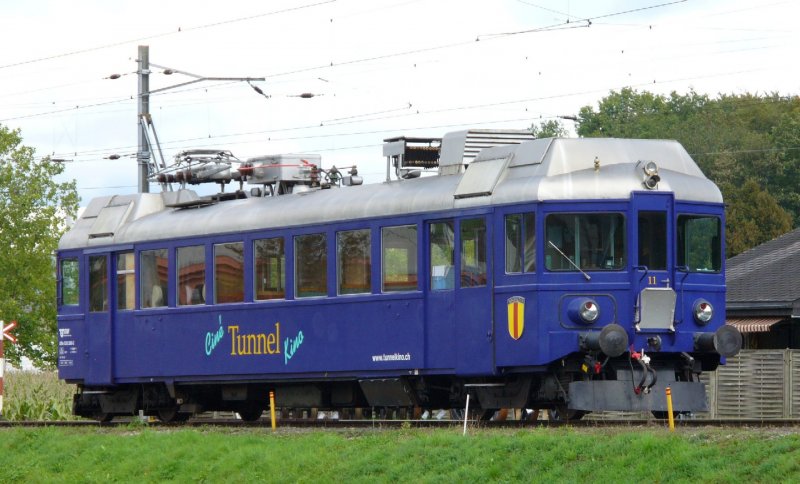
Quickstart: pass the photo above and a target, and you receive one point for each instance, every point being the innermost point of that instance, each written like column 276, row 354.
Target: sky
column 377, row 69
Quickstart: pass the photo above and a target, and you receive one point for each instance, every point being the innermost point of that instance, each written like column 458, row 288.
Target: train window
column 228, row 272
column 399, row 249
column 153, row 278
column 191, row 275
column 699, row 243
column 441, row 254
column 69, row 282
column 98, row 283
column 653, row 240
column 270, row 270
column 586, row 241
column 353, row 259
column 520, row 243
column 126, row 281
column 311, row 265
column 473, row 252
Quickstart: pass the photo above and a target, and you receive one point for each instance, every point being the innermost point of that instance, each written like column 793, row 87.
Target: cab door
column 474, row 301
column 653, row 259
column 99, row 318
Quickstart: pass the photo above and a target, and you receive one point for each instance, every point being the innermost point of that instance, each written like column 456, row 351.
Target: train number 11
column 651, row 280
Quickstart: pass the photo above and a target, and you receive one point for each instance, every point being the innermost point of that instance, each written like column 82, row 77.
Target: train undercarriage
column 570, row 388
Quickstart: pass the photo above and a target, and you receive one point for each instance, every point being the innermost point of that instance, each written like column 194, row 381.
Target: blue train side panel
column 271, row 340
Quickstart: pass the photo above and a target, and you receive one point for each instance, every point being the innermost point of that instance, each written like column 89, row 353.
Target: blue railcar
column 572, row 274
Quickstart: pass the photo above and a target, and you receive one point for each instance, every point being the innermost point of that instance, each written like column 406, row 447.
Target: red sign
column 6, row 330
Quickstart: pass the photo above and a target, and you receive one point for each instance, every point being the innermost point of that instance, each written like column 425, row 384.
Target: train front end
column 632, row 285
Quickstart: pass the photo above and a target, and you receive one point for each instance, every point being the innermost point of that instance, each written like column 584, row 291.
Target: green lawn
column 137, row 454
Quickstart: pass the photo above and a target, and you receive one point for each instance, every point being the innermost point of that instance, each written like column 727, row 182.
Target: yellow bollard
column 669, row 410
column 272, row 408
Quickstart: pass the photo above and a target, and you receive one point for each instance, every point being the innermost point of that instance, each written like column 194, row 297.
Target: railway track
column 396, row 424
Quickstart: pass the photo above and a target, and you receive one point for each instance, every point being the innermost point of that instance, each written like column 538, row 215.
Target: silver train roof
column 542, row 169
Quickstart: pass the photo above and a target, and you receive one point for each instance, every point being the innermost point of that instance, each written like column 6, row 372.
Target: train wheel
column 562, row 414
column 487, row 414
column 171, row 415
column 103, row 417
column 250, row 413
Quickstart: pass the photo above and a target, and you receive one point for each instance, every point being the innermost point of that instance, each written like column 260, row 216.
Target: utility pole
column 143, row 153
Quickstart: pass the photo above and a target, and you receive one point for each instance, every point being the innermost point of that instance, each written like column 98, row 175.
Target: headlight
column 651, row 177
column 583, row 311
column 703, row 311
column 589, row 311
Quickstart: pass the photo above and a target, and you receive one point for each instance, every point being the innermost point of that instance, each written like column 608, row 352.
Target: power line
column 164, row 34
column 590, row 19
column 361, row 119
column 114, row 101
column 558, row 26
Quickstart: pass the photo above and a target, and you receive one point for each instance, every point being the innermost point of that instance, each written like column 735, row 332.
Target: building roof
column 766, row 277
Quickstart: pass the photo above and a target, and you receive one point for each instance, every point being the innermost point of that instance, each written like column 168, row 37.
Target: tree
column 755, row 215
column 33, row 207
column 549, row 129
column 737, row 140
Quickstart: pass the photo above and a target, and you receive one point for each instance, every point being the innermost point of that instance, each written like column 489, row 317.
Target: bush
column 34, row 395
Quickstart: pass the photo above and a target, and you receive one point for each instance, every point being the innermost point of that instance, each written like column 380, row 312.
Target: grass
column 442, row 455
column 33, row 395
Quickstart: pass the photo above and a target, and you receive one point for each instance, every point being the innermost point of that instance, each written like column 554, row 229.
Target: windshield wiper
column 588, row 278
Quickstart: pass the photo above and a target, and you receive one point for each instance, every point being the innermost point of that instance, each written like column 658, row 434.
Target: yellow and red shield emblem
column 516, row 316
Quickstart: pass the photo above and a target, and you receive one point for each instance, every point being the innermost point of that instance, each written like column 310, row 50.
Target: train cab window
column 311, row 265
column 442, row 255
column 699, row 243
column 653, row 240
column 228, row 272
column 69, row 282
column 126, row 281
column 520, row 243
column 399, row 251
column 153, row 278
column 353, row 261
column 270, row 269
column 585, row 241
column 98, row 283
column 473, row 252
column 191, row 275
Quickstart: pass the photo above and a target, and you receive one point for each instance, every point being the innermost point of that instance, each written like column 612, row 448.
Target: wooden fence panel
column 752, row 385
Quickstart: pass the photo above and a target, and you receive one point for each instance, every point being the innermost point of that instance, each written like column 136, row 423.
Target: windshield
column 585, row 241
column 699, row 243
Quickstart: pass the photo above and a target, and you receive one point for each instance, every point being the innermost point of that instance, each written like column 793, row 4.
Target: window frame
column 481, row 278
column 405, row 288
column 103, row 294
column 622, row 230
column 680, row 247
column 527, row 227
column 183, row 282
column 129, row 277
column 282, row 270
column 445, row 281
column 76, row 280
column 323, row 266
column 365, row 286
column 164, row 284
column 216, row 272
